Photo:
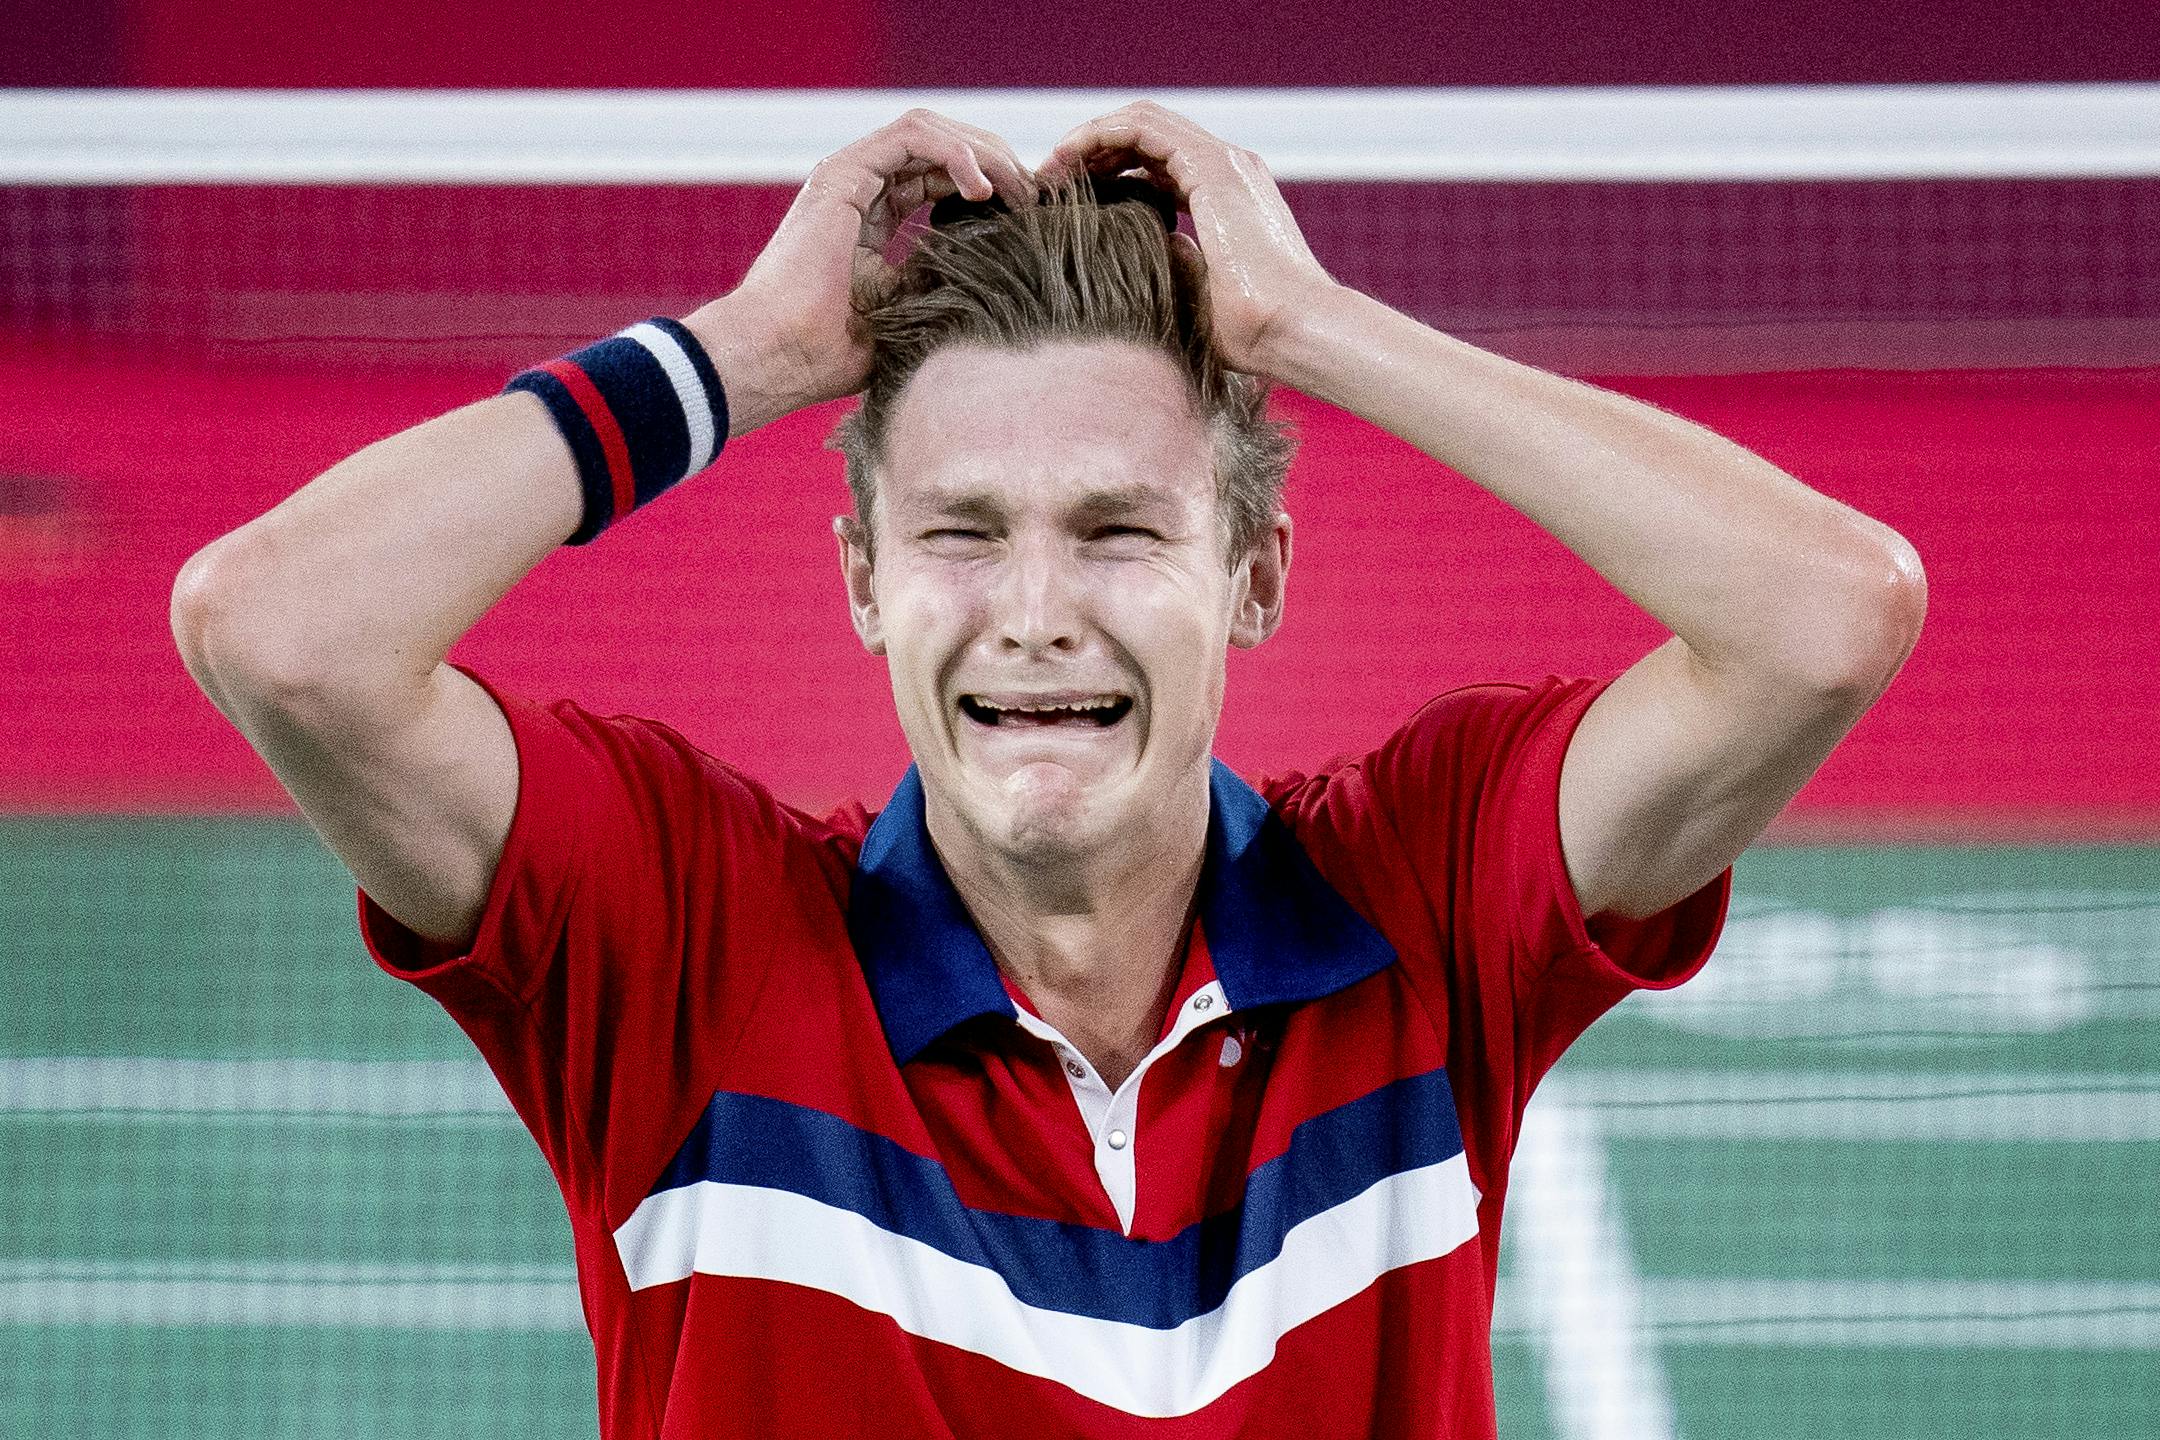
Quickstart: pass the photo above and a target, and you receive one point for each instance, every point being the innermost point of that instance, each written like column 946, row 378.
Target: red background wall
column 2031, row 706
column 172, row 364
column 1076, row 43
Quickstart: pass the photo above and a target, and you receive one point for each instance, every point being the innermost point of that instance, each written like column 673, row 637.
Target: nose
column 1038, row 599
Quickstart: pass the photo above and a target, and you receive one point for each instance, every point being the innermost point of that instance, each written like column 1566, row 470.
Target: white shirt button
column 1117, row 1139
column 1075, row 1069
column 1202, row 1001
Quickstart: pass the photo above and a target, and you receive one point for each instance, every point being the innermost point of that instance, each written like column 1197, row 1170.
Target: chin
column 1044, row 830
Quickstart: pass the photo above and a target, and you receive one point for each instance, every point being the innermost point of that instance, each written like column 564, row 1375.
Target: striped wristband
column 641, row 410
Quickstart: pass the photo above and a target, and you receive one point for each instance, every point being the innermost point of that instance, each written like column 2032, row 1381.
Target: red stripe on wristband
column 612, row 444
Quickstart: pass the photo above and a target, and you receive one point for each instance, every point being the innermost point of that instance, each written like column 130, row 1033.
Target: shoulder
column 1472, row 768
column 673, row 791
column 1454, row 738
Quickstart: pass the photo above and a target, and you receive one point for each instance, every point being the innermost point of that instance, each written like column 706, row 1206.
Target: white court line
column 1575, row 1272
column 1647, row 132
column 129, row 1085
column 413, row 1297
column 1908, row 1314
column 2023, row 1107
column 1892, row 1314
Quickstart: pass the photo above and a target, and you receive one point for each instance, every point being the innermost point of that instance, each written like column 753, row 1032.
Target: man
column 1088, row 1091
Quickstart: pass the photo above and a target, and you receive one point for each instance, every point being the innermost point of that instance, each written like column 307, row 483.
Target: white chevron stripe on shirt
column 769, row 1234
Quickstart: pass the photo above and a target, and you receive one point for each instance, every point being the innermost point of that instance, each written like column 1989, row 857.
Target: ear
column 857, row 575
column 1261, row 578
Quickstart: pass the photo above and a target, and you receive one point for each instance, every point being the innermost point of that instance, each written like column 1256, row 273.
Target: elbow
column 195, row 602
column 1838, row 642
column 220, row 627
column 1867, row 636
column 193, row 614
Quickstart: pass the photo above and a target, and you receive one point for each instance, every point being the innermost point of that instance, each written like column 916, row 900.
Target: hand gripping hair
column 1091, row 262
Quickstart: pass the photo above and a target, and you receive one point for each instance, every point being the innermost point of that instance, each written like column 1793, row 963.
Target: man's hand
column 1260, row 272
column 786, row 337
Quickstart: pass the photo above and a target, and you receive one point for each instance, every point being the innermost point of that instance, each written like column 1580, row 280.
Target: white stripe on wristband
column 689, row 391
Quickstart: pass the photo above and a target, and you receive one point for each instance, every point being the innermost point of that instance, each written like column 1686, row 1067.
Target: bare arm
column 319, row 628
column 1790, row 612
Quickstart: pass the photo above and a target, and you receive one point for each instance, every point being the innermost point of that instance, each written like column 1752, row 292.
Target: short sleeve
column 1471, row 786
column 620, row 925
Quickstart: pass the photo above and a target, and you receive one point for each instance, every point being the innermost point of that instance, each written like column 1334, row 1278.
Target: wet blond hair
column 1078, row 266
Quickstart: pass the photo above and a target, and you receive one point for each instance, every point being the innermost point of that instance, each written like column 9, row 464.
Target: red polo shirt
column 827, row 1177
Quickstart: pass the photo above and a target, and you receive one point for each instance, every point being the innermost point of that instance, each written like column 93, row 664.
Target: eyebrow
column 974, row 507
column 1100, row 505
column 981, row 507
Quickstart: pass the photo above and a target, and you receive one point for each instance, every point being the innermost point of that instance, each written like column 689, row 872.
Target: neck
column 1093, row 941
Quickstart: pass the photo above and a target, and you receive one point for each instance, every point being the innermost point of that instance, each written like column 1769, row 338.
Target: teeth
column 1073, row 708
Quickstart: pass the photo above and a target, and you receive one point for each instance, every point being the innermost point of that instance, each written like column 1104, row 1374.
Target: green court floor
column 1889, row 1167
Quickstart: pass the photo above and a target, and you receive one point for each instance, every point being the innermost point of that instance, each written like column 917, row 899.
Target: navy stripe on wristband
column 641, row 411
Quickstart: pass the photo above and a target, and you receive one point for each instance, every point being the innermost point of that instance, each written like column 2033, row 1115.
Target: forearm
column 1749, row 567
column 365, row 577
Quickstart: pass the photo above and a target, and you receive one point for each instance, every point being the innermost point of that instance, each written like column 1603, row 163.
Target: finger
column 1132, row 127
column 923, row 137
column 1155, row 129
column 870, row 280
column 960, row 162
column 980, row 161
column 998, row 160
column 1127, row 162
column 908, row 193
column 1108, row 159
column 1129, row 139
column 919, row 183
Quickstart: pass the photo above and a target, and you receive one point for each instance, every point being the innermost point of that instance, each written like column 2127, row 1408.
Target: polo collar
column 1276, row 930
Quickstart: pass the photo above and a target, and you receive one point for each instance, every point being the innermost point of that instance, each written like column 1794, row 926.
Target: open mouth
column 1091, row 712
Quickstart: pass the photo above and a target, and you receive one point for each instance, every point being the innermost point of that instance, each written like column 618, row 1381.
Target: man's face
column 1050, row 593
